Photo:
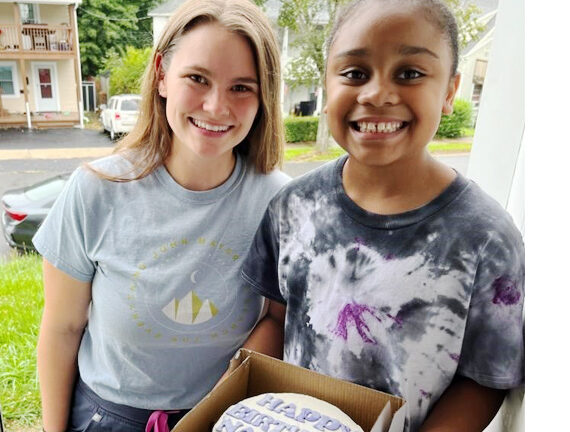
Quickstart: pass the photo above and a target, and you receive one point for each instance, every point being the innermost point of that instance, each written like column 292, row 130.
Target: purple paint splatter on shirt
column 354, row 312
column 398, row 321
column 454, row 356
column 425, row 394
column 360, row 242
column 390, row 257
column 506, row 291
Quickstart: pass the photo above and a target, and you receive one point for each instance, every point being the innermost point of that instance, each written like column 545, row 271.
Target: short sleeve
column 260, row 268
column 493, row 345
column 62, row 238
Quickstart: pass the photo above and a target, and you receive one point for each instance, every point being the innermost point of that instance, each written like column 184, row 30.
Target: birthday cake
column 284, row 412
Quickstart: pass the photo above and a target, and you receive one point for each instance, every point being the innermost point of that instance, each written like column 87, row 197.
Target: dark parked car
column 24, row 210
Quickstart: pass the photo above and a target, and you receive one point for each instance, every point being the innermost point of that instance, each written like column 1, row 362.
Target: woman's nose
column 215, row 102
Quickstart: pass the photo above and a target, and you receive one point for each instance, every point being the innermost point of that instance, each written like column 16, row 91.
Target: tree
column 127, row 70
column 312, row 20
column 108, row 26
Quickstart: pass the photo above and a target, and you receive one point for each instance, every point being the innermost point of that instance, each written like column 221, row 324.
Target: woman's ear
column 450, row 95
column 159, row 70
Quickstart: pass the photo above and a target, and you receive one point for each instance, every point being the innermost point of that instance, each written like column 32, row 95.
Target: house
column 474, row 57
column 40, row 75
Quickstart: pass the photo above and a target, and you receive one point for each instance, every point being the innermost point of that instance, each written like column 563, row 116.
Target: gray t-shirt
column 399, row 303
column 168, row 306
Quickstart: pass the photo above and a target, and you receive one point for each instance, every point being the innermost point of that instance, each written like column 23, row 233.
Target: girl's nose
column 215, row 103
column 378, row 92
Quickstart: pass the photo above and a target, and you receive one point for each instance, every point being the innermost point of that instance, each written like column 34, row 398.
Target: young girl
column 142, row 250
column 388, row 268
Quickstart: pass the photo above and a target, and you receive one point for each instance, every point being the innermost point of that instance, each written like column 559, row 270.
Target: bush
column 301, row 129
column 127, row 70
column 451, row 126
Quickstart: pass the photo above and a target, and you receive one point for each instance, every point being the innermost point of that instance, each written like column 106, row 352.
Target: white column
column 496, row 162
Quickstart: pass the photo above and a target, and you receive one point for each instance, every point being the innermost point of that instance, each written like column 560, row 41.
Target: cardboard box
column 252, row 373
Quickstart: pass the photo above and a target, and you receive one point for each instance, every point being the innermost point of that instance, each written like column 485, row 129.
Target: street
column 38, row 155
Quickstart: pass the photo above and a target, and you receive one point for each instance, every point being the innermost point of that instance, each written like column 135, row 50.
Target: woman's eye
column 198, row 78
column 410, row 74
column 240, row 88
column 354, row 74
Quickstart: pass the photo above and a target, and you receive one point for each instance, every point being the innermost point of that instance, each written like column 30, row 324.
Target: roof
column 166, row 9
column 486, row 6
column 52, row 2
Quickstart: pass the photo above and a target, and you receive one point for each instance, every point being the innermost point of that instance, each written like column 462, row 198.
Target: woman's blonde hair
column 151, row 138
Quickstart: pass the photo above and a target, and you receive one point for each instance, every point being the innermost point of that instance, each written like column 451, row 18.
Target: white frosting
column 284, row 412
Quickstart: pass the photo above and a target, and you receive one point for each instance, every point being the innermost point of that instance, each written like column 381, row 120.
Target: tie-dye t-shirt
column 399, row 303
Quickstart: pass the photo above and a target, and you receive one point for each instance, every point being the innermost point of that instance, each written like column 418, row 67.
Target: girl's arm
column 63, row 321
column 267, row 336
column 464, row 406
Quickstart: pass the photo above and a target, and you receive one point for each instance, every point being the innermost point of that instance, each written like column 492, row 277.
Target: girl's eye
column 410, row 74
column 198, row 78
column 354, row 74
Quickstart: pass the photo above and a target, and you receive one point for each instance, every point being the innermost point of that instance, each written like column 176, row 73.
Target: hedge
column 301, row 129
column 451, row 126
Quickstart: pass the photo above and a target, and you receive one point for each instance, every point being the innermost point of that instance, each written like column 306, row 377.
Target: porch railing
column 36, row 37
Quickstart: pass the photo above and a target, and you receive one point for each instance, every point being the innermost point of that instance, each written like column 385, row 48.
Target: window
column 9, row 79
column 29, row 13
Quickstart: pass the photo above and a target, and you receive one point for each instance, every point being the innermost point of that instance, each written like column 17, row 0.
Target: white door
column 45, row 86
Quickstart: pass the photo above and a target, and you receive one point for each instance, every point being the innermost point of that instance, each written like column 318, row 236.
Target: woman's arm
column 267, row 336
column 464, row 406
column 63, row 321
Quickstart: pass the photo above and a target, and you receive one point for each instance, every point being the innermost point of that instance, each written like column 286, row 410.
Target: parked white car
column 120, row 114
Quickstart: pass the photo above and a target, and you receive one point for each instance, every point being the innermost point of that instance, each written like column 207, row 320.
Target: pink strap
column 158, row 421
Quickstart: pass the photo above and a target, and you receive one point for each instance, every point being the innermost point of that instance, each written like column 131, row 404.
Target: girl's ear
column 450, row 95
column 160, row 73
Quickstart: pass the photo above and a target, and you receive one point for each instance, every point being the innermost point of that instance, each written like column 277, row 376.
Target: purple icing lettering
column 308, row 414
column 228, row 425
column 506, row 291
column 354, row 313
column 288, row 410
column 278, row 426
column 270, row 401
column 239, row 411
column 263, row 421
column 327, row 423
column 250, row 416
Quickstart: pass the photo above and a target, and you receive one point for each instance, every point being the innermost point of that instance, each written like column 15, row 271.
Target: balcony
column 36, row 41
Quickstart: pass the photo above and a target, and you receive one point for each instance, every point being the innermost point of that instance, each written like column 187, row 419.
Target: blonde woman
column 143, row 302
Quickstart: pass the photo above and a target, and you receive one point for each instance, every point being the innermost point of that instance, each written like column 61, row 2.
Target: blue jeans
column 91, row 413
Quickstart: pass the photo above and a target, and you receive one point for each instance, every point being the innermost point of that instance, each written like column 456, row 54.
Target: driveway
column 30, row 139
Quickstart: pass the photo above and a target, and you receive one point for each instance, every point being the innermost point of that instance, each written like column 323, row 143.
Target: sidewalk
column 55, row 153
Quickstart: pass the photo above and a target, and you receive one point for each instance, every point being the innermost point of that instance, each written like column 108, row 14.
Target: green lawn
column 21, row 302
column 305, row 152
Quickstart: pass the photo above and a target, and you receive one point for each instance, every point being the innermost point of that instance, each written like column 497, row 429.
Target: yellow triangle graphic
column 213, row 309
column 196, row 305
